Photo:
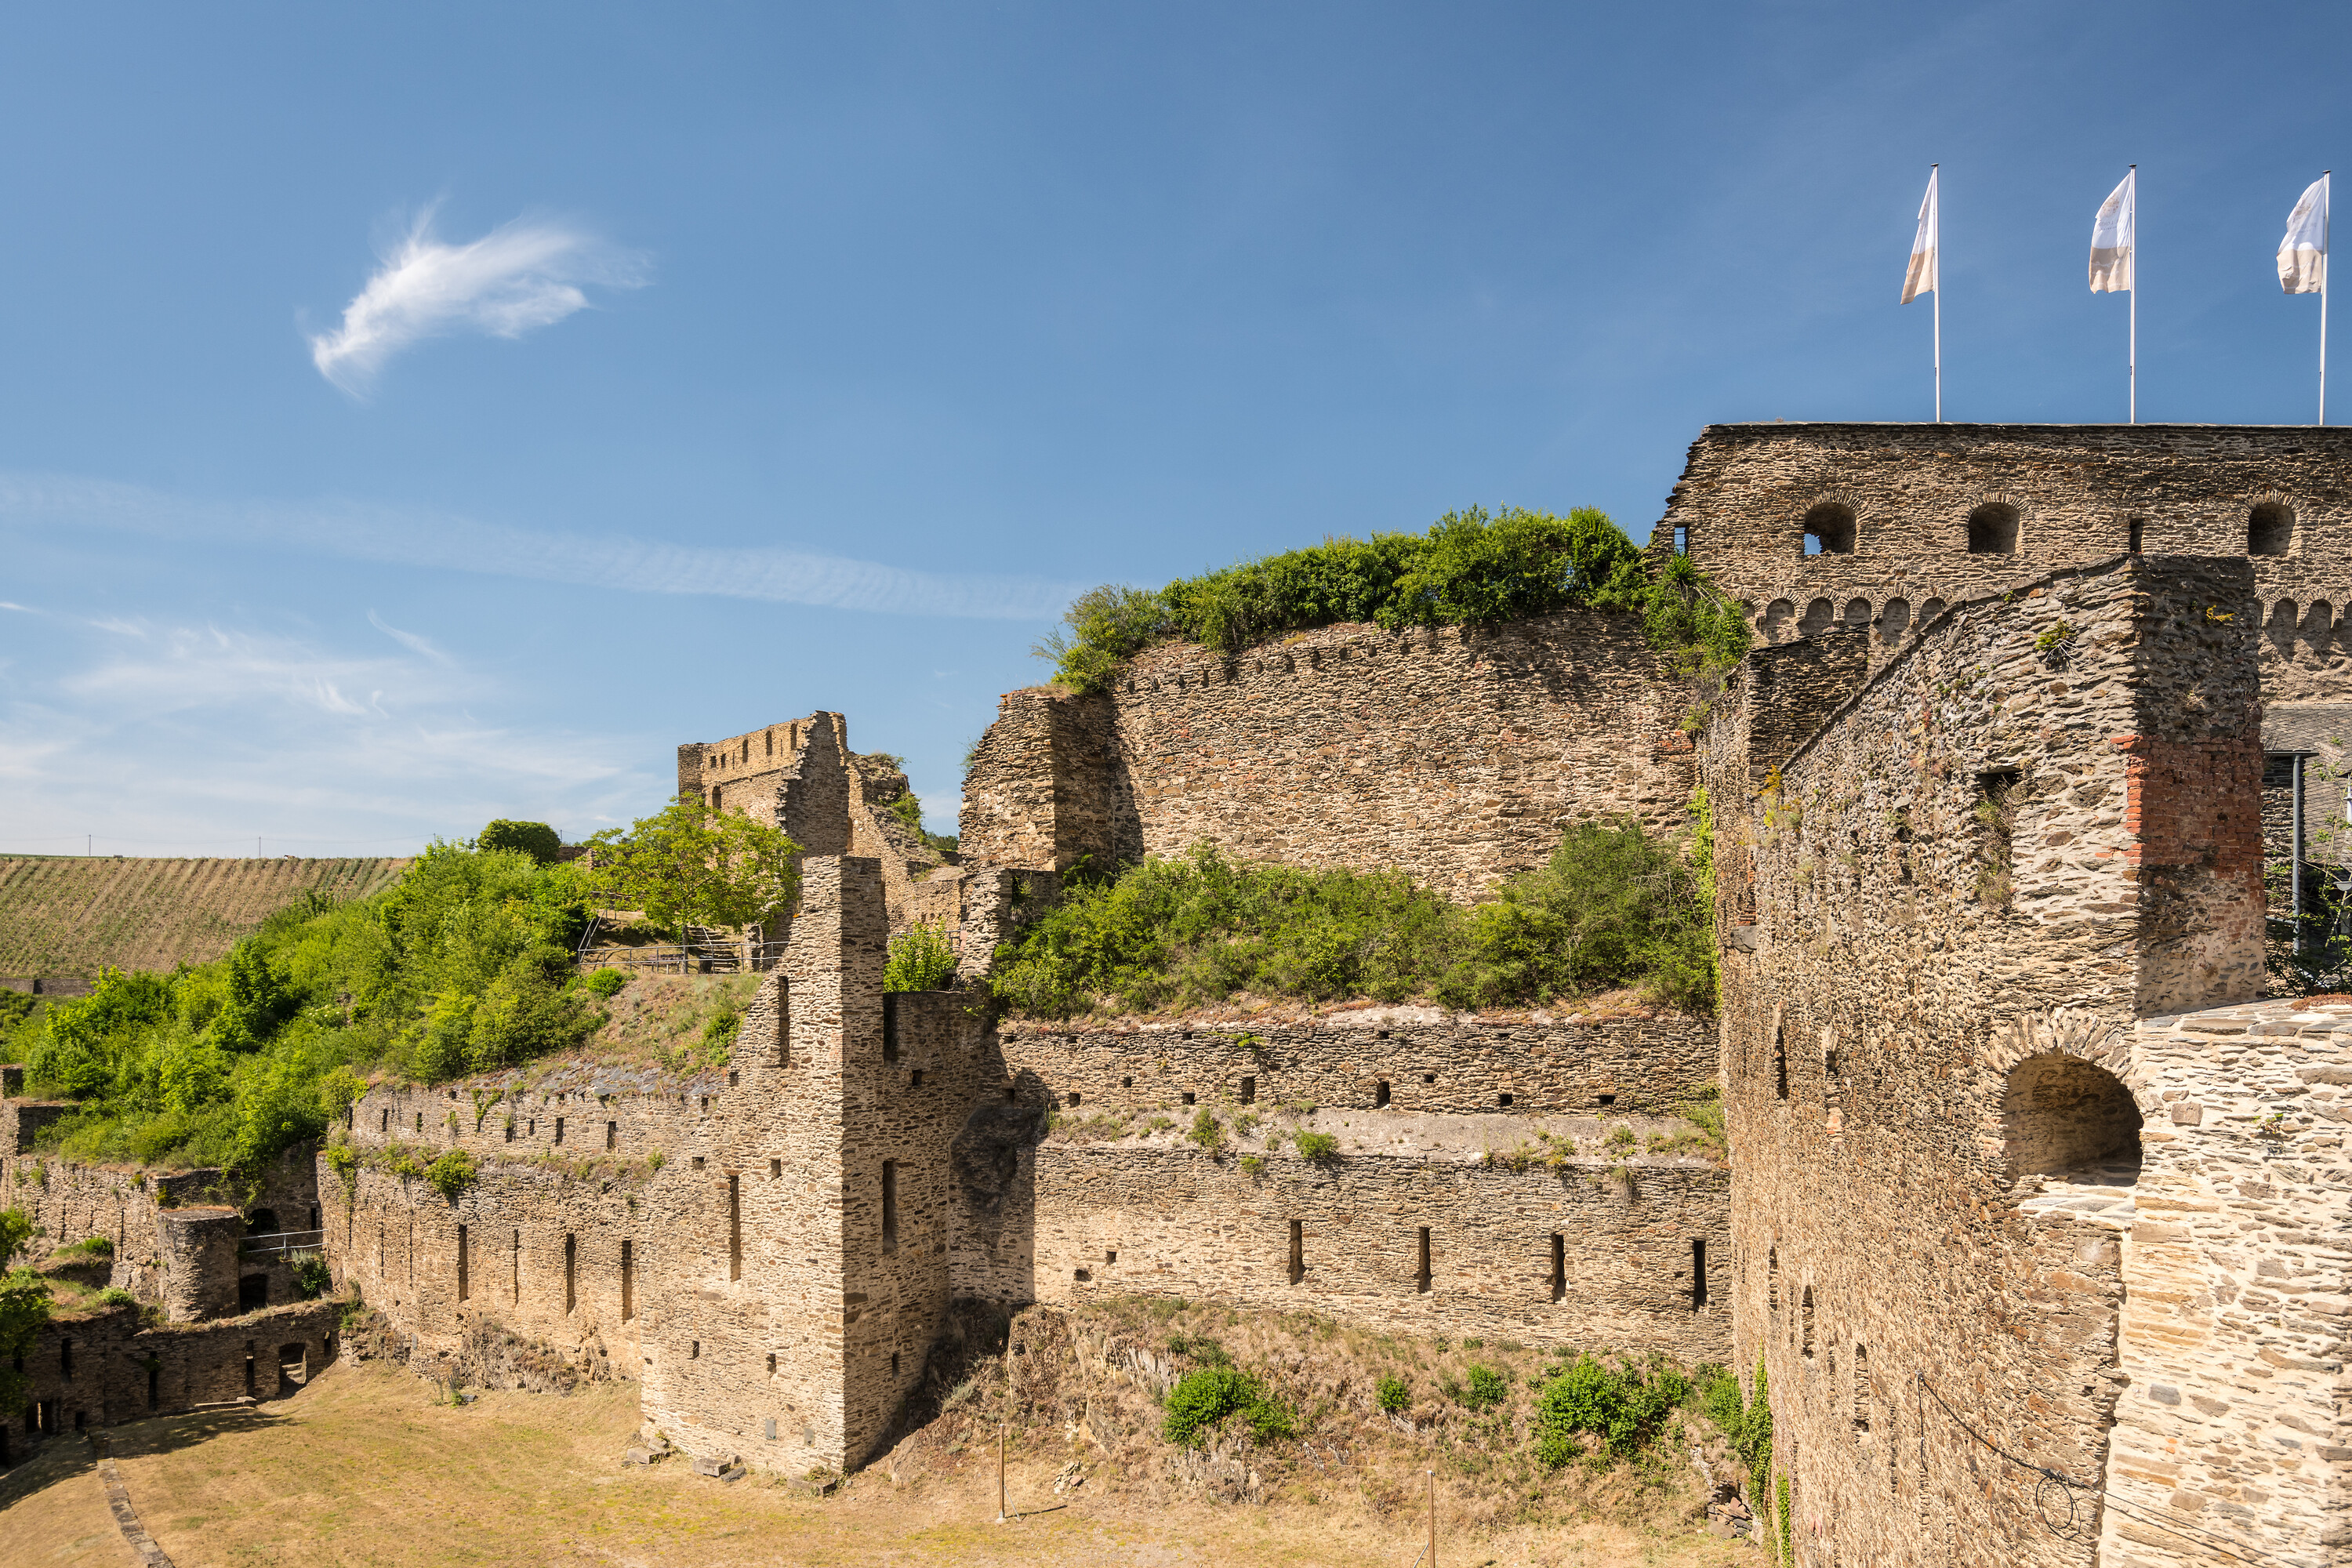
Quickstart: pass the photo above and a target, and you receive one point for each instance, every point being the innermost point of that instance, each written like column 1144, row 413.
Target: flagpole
column 2326, row 195
column 1935, row 182
column 2132, row 353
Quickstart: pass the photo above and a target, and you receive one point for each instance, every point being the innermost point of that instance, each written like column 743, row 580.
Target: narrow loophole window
column 1421, row 1273
column 1558, row 1267
column 559, row 1130
column 1298, row 1250
column 889, row 1026
column 612, row 1136
column 570, row 1262
column 463, row 1290
column 1249, row 1090
column 1699, row 1275
column 1380, row 1094
column 734, row 1227
column 889, row 1204
column 628, row 1281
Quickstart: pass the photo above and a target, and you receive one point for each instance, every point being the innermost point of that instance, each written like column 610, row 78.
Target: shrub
column 1322, row 1148
column 311, row 1275
column 1487, row 1387
column 1613, row 907
column 1392, row 1394
column 1623, row 1407
column 451, row 1173
column 536, row 839
column 1204, row 1397
column 91, row 1246
column 1207, row 1131
column 921, row 958
column 115, row 1296
column 1469, row 568
column 607, row 982
column 719, row 1032
column 342, row 1158
column 16, row 1230
column 24, row 1307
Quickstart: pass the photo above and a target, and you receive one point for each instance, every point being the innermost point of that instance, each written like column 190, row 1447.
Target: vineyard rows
column 71, row 915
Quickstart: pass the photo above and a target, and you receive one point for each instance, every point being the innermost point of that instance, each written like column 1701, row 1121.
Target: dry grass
column 368, row 1467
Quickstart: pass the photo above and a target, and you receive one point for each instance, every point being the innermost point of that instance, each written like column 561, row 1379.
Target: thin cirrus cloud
column 517, row 278
column 423, row 538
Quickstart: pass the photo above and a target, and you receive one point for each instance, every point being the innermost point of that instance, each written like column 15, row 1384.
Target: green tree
column 690, row 865
column 16, row 1231
column 24, row 1307
column 921, row 958
column 536, row 839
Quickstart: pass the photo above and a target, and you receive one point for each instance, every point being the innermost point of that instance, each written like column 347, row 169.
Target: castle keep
column 2034, row 1215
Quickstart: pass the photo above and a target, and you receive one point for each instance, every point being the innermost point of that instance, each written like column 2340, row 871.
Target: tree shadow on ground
column 168, row 1434
column 61, row 1458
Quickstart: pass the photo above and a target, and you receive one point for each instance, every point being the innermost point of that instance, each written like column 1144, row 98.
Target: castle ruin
column 2034, row 1216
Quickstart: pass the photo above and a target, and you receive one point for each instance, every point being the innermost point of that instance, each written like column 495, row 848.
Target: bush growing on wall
column 921, row 958
column 1611, row 908
column 1468, row 568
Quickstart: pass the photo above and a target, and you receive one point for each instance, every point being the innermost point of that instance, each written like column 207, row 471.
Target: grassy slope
column 69, row 915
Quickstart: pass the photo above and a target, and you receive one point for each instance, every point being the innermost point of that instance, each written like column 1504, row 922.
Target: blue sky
column 716, row 364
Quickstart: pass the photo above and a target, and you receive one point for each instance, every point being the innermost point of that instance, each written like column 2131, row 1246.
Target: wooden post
column 1433, row 1518
column 1000, row 1472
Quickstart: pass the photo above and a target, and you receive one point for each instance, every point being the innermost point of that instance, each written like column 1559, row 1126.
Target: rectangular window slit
column 570, row 1257
column 1698, row 1276
column 612, row 1136
column 1420, row 1274
column 889, row 1204
column 1249, row 1090
column 889, row 1026
column 462, row 1290
column 734, row 1227
column 1558, row 1267
column 628, row 1281
column 1297, row 1247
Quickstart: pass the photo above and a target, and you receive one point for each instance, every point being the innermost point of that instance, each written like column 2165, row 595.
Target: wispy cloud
column 419, row 537
column 520, row 276
column 318, row 748
column 408, row 641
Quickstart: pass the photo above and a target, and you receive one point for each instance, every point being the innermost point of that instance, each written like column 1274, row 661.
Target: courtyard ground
column 371, row 1465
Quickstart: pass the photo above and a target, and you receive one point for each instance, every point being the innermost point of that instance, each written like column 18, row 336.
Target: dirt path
column 365, row 1469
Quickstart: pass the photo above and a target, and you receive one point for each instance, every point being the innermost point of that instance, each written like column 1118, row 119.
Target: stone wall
column 2044, row 806
column 1469, row 1066
column 2073, row 493
column 105, row 1368
column 1455, row 753
column 1567, row 1256
column 2231, row 1431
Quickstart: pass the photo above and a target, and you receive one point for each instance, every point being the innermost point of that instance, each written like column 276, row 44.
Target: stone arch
column 1857, row 614
column 1930, row 610
column 2318, row 623
column 1820, row 617
column 2282, row 623
column 1777, row 617
column 1893, row 620
column 2070, row 1091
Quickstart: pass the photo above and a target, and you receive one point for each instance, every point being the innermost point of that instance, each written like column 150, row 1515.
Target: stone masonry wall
column 2233, row 1430
column 106, row 1368
column 2078, row 492
column 1455, row 753
column 1467, row 1066
column 1549, row 1256
column 1905, row 911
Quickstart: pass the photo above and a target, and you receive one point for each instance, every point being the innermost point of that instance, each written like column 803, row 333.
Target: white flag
column 2303, row 254
column 1921, row 278
column 2111, row 239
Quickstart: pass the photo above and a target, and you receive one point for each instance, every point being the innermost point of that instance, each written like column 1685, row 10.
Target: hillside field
column 74, row 915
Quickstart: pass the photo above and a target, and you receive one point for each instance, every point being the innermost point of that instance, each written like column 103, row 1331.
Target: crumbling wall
column 2044, row 808
column 106, row 1367
column 1464, row 1066
column 1457, row 754
column 1568, row 1257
